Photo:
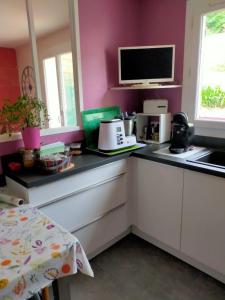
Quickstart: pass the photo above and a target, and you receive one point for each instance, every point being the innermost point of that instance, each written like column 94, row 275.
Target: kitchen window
column 204, row 66
column 59, row 90
column 211, row 90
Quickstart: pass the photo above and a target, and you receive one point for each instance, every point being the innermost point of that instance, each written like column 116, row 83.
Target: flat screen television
column 146, row 64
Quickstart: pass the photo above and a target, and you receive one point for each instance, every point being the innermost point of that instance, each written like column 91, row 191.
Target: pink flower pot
column 31, row 137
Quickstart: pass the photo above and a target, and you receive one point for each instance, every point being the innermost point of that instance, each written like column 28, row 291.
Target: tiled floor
column 134, row 270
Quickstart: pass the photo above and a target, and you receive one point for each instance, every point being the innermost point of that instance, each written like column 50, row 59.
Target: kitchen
column 96, row 93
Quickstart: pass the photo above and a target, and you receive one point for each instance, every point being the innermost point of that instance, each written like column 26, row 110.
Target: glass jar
column 28, row 158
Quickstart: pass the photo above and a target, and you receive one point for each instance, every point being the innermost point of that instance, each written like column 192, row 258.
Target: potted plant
column 29, row 114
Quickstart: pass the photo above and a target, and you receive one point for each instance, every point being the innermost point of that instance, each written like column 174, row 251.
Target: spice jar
column 28, row 158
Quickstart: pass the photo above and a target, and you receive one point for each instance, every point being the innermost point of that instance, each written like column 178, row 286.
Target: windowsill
column 44, row 132
column 10, row 138
column 209, row 124
column 210, row 128
column 59, row 130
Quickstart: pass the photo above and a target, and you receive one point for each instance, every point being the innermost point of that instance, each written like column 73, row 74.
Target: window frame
column 59, row 78
column 195, row 11
column 76, row 55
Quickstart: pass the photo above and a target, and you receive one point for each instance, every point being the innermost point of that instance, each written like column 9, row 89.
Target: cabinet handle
column 79, row 227
column 81, row 190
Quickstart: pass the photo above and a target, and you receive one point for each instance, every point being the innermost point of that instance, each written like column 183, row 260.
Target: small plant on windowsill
column 29, row 114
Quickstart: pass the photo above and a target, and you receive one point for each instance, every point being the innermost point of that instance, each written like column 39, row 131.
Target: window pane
column 68, row 94
column 52, row 95
column 211, row 104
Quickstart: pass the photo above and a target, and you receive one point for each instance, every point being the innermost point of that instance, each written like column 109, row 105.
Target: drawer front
column 97, row 234
column 50, row 192
column 78, row 210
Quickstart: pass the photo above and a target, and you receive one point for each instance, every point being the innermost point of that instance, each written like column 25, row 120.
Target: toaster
column 112, row 136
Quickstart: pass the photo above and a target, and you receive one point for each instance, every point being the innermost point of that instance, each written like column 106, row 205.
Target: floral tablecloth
column 34, row 251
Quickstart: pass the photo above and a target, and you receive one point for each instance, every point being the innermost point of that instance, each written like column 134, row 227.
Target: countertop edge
column 172, row 161
column 55, row 177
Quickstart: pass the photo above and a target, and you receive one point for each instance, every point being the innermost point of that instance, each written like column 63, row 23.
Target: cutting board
column 91, row 119
column 116, row 152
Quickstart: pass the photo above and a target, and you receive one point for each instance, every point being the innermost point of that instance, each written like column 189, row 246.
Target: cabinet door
column 203, row 222
column 159, row 201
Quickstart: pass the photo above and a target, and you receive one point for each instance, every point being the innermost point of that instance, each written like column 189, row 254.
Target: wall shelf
column 146, row 87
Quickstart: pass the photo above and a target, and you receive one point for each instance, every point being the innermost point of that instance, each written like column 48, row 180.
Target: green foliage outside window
column 213, row 97
column 215, row 22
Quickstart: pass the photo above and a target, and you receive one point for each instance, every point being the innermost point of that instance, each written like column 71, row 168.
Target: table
column 34, row 251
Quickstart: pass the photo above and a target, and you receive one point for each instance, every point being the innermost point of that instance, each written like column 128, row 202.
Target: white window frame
column 76, row 54
column 195, row 11
column 59, row 83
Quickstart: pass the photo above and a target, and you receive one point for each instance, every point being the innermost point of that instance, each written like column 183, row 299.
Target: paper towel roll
column 10, row 199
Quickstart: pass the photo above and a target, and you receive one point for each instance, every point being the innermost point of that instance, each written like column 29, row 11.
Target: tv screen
column 146, row 64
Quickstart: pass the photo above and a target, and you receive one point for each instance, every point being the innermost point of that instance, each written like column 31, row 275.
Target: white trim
column 33, row 43
column 59, row 85
column 76, row 53
column 9, row 138
column 44, row 132
column 194, row 13
column 66, row 129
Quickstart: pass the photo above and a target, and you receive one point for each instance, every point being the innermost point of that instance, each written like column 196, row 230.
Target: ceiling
column 49, row 16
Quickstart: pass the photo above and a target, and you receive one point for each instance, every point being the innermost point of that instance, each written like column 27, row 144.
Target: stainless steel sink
column 210, row 158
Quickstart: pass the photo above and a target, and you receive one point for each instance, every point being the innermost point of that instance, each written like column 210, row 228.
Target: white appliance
column 112, row 136
column 155, row 106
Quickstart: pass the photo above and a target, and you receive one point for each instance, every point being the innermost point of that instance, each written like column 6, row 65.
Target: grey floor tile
column 101, row 287
column 133, row 269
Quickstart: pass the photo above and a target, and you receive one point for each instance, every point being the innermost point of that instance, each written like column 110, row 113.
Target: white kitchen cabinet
column 42, row 195
column 92, row 204
column 84, row 206
column 203, row 221
column 159, row 201
column 104, row 231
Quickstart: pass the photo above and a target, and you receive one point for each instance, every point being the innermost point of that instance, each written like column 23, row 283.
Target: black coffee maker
column 182, row 133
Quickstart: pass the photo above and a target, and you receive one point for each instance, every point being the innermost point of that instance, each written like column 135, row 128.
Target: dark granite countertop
column 148, row 153
column 84, row 162
column 89, row 161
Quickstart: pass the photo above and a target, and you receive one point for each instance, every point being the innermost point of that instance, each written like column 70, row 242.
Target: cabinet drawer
column 97, row 234
column 79, row 209
column 38, row 196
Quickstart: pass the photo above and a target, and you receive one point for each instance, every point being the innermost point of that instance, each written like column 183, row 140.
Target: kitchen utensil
column 128, row 126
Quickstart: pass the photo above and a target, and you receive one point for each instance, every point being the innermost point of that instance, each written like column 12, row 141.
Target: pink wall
column 104, row 26
column 9, row 79
column 163, row 22
column 11, row 147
